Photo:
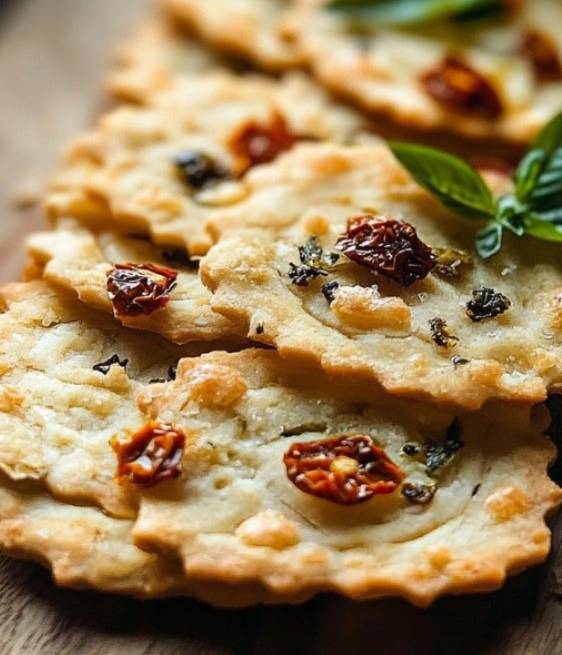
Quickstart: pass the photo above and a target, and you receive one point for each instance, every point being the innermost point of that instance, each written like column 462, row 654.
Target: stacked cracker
column 140, row 457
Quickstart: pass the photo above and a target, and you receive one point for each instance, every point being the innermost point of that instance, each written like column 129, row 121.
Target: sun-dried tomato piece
column 136, row 289
column 456, row 85
column 347, row 469
column 542, row 52
column 150, row 455
column 389, row 247
column 256, row 143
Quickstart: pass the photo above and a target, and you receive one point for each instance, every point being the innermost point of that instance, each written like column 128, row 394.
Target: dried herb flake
column 313, row 263
column 419, row 493
column 103, row 367
column 329, row 291
column 199, row 169
column 440, row 334
column 437, row 455
column 486, row 303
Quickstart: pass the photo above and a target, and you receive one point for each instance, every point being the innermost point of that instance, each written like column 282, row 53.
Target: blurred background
column 54, row 55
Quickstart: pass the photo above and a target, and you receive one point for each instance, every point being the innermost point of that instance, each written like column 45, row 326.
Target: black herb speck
column 156, row 381
column 459, row 361
column 475, row 490
column 302, row 275
column 260, row 328
column 417, row 492
column 411, row 449
column 329, row 289
column 313, row 254
column 199, row 169
column 486, row 303
column 440, row 334
column 103, row 367
column 313, row 263
column 437, row 455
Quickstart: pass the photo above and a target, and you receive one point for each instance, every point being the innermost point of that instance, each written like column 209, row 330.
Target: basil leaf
column 456, row 184
column 540, row 172
column 510, row 213
column 527, row 173
column 541, row 229
column 547, row 192
column 489, row 240
column 552, row 215
column 550, row 137
column 413, row 11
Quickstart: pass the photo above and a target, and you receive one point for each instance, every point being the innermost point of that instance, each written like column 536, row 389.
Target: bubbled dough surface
column 78, row 259
column 56, row 413
column 235, row 517
column 314, row 190
column 123, row 172
column 380, row 69
column 254, row 28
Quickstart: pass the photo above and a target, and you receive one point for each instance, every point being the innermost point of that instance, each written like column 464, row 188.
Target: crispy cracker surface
column 78, row 259
column 235, row 517
column 374, row 327
column 86, row 549
column 124, row 171
column 57, row 413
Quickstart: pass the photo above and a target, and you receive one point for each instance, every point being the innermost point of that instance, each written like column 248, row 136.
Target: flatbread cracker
column 253, row 28
column 235, row 516
column 387, row 70
column 373, row 326
column 57, row 416
column 57, row 413
column 79, row 260
column 124, row 172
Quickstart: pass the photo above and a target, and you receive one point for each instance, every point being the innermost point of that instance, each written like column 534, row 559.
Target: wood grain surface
column 53, row 54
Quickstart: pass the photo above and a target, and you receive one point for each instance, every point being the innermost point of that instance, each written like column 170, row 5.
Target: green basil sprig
column 534, row 208
column 414, row 11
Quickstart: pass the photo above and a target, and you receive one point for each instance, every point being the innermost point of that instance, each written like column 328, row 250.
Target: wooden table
column 53, row 54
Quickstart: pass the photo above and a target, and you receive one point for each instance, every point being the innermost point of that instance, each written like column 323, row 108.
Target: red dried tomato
column 542, row 51
column 458, row 86
column 152, row 454
column 257, row 143
column 346, row 469
column 136, row 289
column 388, row 246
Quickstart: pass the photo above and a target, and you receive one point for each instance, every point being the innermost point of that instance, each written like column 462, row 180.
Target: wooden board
column 52, row 57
